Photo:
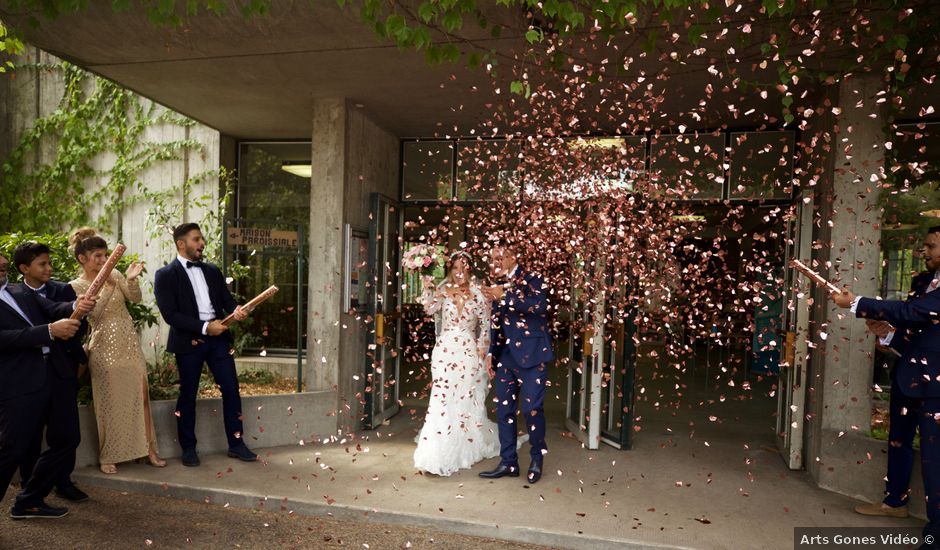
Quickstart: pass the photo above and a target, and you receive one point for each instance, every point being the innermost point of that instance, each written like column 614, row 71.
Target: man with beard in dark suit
column 912, row 329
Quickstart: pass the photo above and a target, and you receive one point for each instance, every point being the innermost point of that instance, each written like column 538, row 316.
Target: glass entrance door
column 791, row 400
column 383, row 352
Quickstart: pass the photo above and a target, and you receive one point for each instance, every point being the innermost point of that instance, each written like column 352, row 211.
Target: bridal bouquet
column 421, row 258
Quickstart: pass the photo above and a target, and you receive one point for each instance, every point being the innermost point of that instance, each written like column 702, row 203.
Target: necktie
column 933, row 285
column 200, row 265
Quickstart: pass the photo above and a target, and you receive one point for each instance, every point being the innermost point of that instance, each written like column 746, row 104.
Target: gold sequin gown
column 118, row 373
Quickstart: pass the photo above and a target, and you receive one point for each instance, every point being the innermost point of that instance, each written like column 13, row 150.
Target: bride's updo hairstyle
column 449, row 265
column 84, row 240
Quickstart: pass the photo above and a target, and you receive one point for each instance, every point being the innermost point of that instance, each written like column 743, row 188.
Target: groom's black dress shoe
column 535, row 472
column 503, row 470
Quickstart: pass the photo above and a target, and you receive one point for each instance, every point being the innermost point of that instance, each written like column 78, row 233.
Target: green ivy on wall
column 52, row 169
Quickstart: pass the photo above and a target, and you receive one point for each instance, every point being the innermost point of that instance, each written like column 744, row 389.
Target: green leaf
column 788, row 118
column 695, row 34
column 427, row 11
column 474, row 60
column 787, row 100
column 533, row 35
column 649, row 45
column 516, row 87
column 453, row 21
column 451, row 53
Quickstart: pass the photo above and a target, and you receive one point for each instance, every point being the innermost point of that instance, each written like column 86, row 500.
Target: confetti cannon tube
column 813, row 276
column 103, row 275
column 253, row 303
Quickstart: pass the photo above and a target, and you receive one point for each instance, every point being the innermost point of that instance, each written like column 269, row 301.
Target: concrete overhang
column 257, row 78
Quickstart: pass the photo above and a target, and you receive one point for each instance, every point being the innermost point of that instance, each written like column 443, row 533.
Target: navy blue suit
column 75, row 353
column 915, row 392
column 521, row 348
column 38, row 390
column 177, row 303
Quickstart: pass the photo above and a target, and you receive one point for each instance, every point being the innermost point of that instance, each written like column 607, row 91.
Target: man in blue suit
column 520, row 350
column 38, row 391
column 193, row 299
column 911, row 328
column 32, row 259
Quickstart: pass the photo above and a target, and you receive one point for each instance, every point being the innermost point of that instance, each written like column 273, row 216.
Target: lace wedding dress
column 456, row 432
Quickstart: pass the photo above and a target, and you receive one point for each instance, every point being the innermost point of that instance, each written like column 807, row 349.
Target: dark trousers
column 908, row 414
column 64, row 479
column 516, row 388
column 215, row 353
column 22, row 418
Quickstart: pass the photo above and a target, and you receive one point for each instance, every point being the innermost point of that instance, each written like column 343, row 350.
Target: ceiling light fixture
column 302, row 169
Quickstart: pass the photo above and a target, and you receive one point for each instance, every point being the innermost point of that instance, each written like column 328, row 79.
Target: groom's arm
column 529, row 298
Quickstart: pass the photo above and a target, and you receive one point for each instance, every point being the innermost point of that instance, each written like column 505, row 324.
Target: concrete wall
column 269, row 421
column 35, row 93
column 854, row 248
column 352, row 158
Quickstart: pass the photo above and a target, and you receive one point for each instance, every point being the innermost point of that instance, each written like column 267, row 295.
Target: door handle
column 379, row 327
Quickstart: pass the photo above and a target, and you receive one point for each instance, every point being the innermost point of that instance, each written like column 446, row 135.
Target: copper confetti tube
column 813, row 276
column 103, row 275
column 253, row 303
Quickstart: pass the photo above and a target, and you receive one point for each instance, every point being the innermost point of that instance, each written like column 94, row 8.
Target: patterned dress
column 118, row 373
column 456, row 432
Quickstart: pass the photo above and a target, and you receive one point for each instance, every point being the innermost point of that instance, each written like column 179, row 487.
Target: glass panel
column 273, row 193
column 488, row 170
column 762, row 165
column 596, row 166
column 687, row 166
column 427, row 171
column 273, row 326
column 390, row 351
column 266, row 189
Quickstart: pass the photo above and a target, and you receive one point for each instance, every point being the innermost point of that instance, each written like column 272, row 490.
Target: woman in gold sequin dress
column 115, row 359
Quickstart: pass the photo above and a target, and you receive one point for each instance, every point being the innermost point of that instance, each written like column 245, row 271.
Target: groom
column 520, row 348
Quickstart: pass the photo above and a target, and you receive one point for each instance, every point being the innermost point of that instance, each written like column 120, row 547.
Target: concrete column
column 855, row 245
column 326, row 244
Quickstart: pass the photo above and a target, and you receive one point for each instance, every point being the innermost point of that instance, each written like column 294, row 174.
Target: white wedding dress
column 456, row 432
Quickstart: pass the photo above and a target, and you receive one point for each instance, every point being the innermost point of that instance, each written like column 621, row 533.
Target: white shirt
column 8, row 300
column 35, row 289
column 201, row 289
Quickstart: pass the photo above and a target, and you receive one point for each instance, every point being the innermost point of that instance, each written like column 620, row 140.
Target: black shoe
column 503, row 470
column 71, row 492
column 43, row 510
column 535, row 471
column 242, row 453
column 190, row 458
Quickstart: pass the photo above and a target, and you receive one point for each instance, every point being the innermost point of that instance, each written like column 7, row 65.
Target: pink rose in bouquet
column 422, row 258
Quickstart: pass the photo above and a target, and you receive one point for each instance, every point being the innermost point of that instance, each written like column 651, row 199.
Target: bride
column 456, row 432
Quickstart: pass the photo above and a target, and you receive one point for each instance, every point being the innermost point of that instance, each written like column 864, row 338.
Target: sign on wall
column 254, row 236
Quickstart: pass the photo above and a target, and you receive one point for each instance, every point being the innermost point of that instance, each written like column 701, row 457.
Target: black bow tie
column 200, row 265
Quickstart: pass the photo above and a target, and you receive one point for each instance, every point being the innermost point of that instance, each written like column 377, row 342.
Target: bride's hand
column 488, row 363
